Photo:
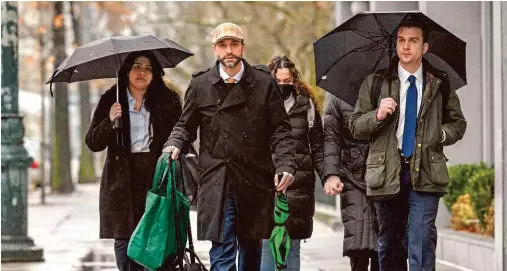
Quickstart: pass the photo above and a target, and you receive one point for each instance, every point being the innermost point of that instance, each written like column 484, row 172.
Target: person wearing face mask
column 235, row 105
column 300, row 104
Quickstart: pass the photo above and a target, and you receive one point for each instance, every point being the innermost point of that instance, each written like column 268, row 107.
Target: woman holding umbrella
column 148, row 110
column 302, row 108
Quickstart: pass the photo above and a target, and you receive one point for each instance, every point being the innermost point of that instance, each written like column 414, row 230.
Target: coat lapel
column 235, row 97
column 237, row 94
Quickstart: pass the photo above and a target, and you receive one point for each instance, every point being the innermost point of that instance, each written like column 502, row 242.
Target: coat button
column 117, row 158
column 246, row 110
column 380, row 159
column 417, row 169
column 245, row 159
column 226, row 135
column 218, row 183
column 419, row 145
column 227, row 160
column 245, row 135
column 219, row 100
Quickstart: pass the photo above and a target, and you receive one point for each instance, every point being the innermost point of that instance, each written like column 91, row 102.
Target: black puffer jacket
column 346, row 157
column 310, row 157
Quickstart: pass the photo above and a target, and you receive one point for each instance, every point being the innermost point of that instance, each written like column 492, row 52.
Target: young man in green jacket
column 414, row 116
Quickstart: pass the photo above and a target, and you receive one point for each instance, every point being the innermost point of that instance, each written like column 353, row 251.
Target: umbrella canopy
column 280, row 240
column 366, row 43
column 102, row 58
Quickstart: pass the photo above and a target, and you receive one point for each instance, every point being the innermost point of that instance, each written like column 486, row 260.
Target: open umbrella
column 280, row 240
column 366, row 43
column 103, row 58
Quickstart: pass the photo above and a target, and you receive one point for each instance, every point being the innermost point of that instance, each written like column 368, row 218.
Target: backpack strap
column 310, row 114
column 445, row 91
column 376, row 87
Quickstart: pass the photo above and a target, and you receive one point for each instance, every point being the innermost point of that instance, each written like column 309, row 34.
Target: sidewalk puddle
column 98, row 261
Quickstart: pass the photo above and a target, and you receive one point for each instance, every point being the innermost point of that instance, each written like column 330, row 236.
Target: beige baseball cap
column 227, row 30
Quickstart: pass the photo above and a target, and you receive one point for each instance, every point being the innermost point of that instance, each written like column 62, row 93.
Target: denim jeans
column 223, row 255
column 293, row 260
column 407, row 228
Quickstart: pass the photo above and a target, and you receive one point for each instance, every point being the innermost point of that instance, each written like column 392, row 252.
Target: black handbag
column 186, row 258
column 188, row 168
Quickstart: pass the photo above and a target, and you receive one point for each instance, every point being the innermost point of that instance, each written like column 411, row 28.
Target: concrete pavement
column 68, row 226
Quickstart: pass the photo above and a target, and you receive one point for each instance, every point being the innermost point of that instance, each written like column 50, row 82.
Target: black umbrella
column 366, row 43
column 102, row 58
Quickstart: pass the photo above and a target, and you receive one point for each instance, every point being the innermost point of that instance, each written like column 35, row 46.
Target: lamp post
column 16, row 245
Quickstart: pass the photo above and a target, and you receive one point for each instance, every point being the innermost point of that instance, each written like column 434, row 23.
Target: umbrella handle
column 117, row 123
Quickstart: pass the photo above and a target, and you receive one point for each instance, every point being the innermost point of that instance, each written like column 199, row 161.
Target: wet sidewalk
column 68, row 229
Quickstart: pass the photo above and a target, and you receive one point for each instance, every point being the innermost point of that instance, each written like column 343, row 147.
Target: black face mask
column 286, row 90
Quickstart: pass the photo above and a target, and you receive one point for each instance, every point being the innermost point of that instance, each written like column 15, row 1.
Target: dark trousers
column 223, row 255
column 361, row 262
column 123, row 262
column 407, row 228
column 142, row 168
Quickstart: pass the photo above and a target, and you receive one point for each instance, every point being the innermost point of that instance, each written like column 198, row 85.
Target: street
column 67, row 229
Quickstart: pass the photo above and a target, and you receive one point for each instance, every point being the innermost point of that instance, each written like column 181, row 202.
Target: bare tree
column 271, row 28
column 61, row 178
column 81, row 24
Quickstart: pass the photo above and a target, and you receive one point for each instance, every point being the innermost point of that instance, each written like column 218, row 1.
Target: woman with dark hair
column 304, row 114
column 148, row 110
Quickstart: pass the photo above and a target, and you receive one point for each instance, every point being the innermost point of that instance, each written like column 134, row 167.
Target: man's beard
column 230, row 65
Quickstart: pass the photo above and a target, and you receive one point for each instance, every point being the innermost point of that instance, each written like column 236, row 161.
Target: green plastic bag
column 154, row 239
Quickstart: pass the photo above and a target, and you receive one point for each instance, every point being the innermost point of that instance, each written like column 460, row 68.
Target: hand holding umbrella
column 366, row 44
column 102, row 59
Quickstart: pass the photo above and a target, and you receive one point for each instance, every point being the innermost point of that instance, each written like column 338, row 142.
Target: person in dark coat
column 302, row 108
column 148, row 110
column 344, row 169
column 241, row 119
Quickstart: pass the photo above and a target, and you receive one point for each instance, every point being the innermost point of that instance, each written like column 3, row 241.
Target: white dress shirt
column 139, row 127
column 404, row 85
column 236, row 77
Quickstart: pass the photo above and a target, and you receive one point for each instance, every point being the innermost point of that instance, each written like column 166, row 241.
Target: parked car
column 33, row 147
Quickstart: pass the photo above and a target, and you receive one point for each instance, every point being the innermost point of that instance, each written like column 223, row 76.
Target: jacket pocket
column 438, row 168
column 376, row 170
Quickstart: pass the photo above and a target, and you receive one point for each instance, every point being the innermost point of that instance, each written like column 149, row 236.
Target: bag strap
column 310, row 114
column 171, row 177
column 171, row 192
column 376, row 87
column 189, row 229
column 161, row 171
column 194, row 255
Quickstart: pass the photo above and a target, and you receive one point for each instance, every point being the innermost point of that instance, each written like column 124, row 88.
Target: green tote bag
column 154, row 240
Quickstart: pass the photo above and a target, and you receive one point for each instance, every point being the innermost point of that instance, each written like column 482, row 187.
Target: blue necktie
column 410, row 119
